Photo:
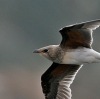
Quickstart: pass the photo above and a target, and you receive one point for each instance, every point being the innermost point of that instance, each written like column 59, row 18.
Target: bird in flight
column 68, row 57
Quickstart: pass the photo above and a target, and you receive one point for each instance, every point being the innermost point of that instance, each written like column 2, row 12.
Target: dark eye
column 46, row 50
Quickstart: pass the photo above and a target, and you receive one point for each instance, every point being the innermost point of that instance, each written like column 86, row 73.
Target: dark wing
column 78, row 35
column 57, row 79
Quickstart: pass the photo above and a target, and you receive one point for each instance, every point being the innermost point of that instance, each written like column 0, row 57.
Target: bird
column 67, row 58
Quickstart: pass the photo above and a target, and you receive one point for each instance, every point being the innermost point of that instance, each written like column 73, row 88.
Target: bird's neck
column 57, row 54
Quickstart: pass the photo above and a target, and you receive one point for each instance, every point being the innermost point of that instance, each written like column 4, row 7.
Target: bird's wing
column 57, row 79
column 78, row 35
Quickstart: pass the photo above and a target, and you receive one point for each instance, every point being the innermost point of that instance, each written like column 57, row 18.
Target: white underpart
column 81, row 56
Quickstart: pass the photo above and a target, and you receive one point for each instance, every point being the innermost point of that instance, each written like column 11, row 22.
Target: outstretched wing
column 78, row 35
column 57, row 79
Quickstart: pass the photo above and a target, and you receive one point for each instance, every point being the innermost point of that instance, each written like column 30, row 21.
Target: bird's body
column 80, row 56
column 67, row 57
column 77, row 56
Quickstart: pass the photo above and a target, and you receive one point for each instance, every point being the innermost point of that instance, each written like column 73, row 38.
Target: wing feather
column 57, row 79
column 78, row 35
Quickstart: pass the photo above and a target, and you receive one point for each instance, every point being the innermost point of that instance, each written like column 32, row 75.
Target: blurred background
column 26, row 25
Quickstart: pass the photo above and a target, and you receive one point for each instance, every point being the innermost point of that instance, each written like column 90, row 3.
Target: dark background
column 29, row 24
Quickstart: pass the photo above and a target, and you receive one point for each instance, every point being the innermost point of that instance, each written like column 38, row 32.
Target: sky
column 26, row 25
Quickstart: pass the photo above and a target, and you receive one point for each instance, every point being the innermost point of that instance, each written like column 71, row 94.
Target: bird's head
column 49, row 51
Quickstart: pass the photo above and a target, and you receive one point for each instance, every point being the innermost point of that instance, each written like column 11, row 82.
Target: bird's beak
column 36, row 51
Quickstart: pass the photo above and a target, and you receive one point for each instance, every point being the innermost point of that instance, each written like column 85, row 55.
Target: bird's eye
column 46, row 50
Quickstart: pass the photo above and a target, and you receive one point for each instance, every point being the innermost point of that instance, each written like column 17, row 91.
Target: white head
column 49, row 51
